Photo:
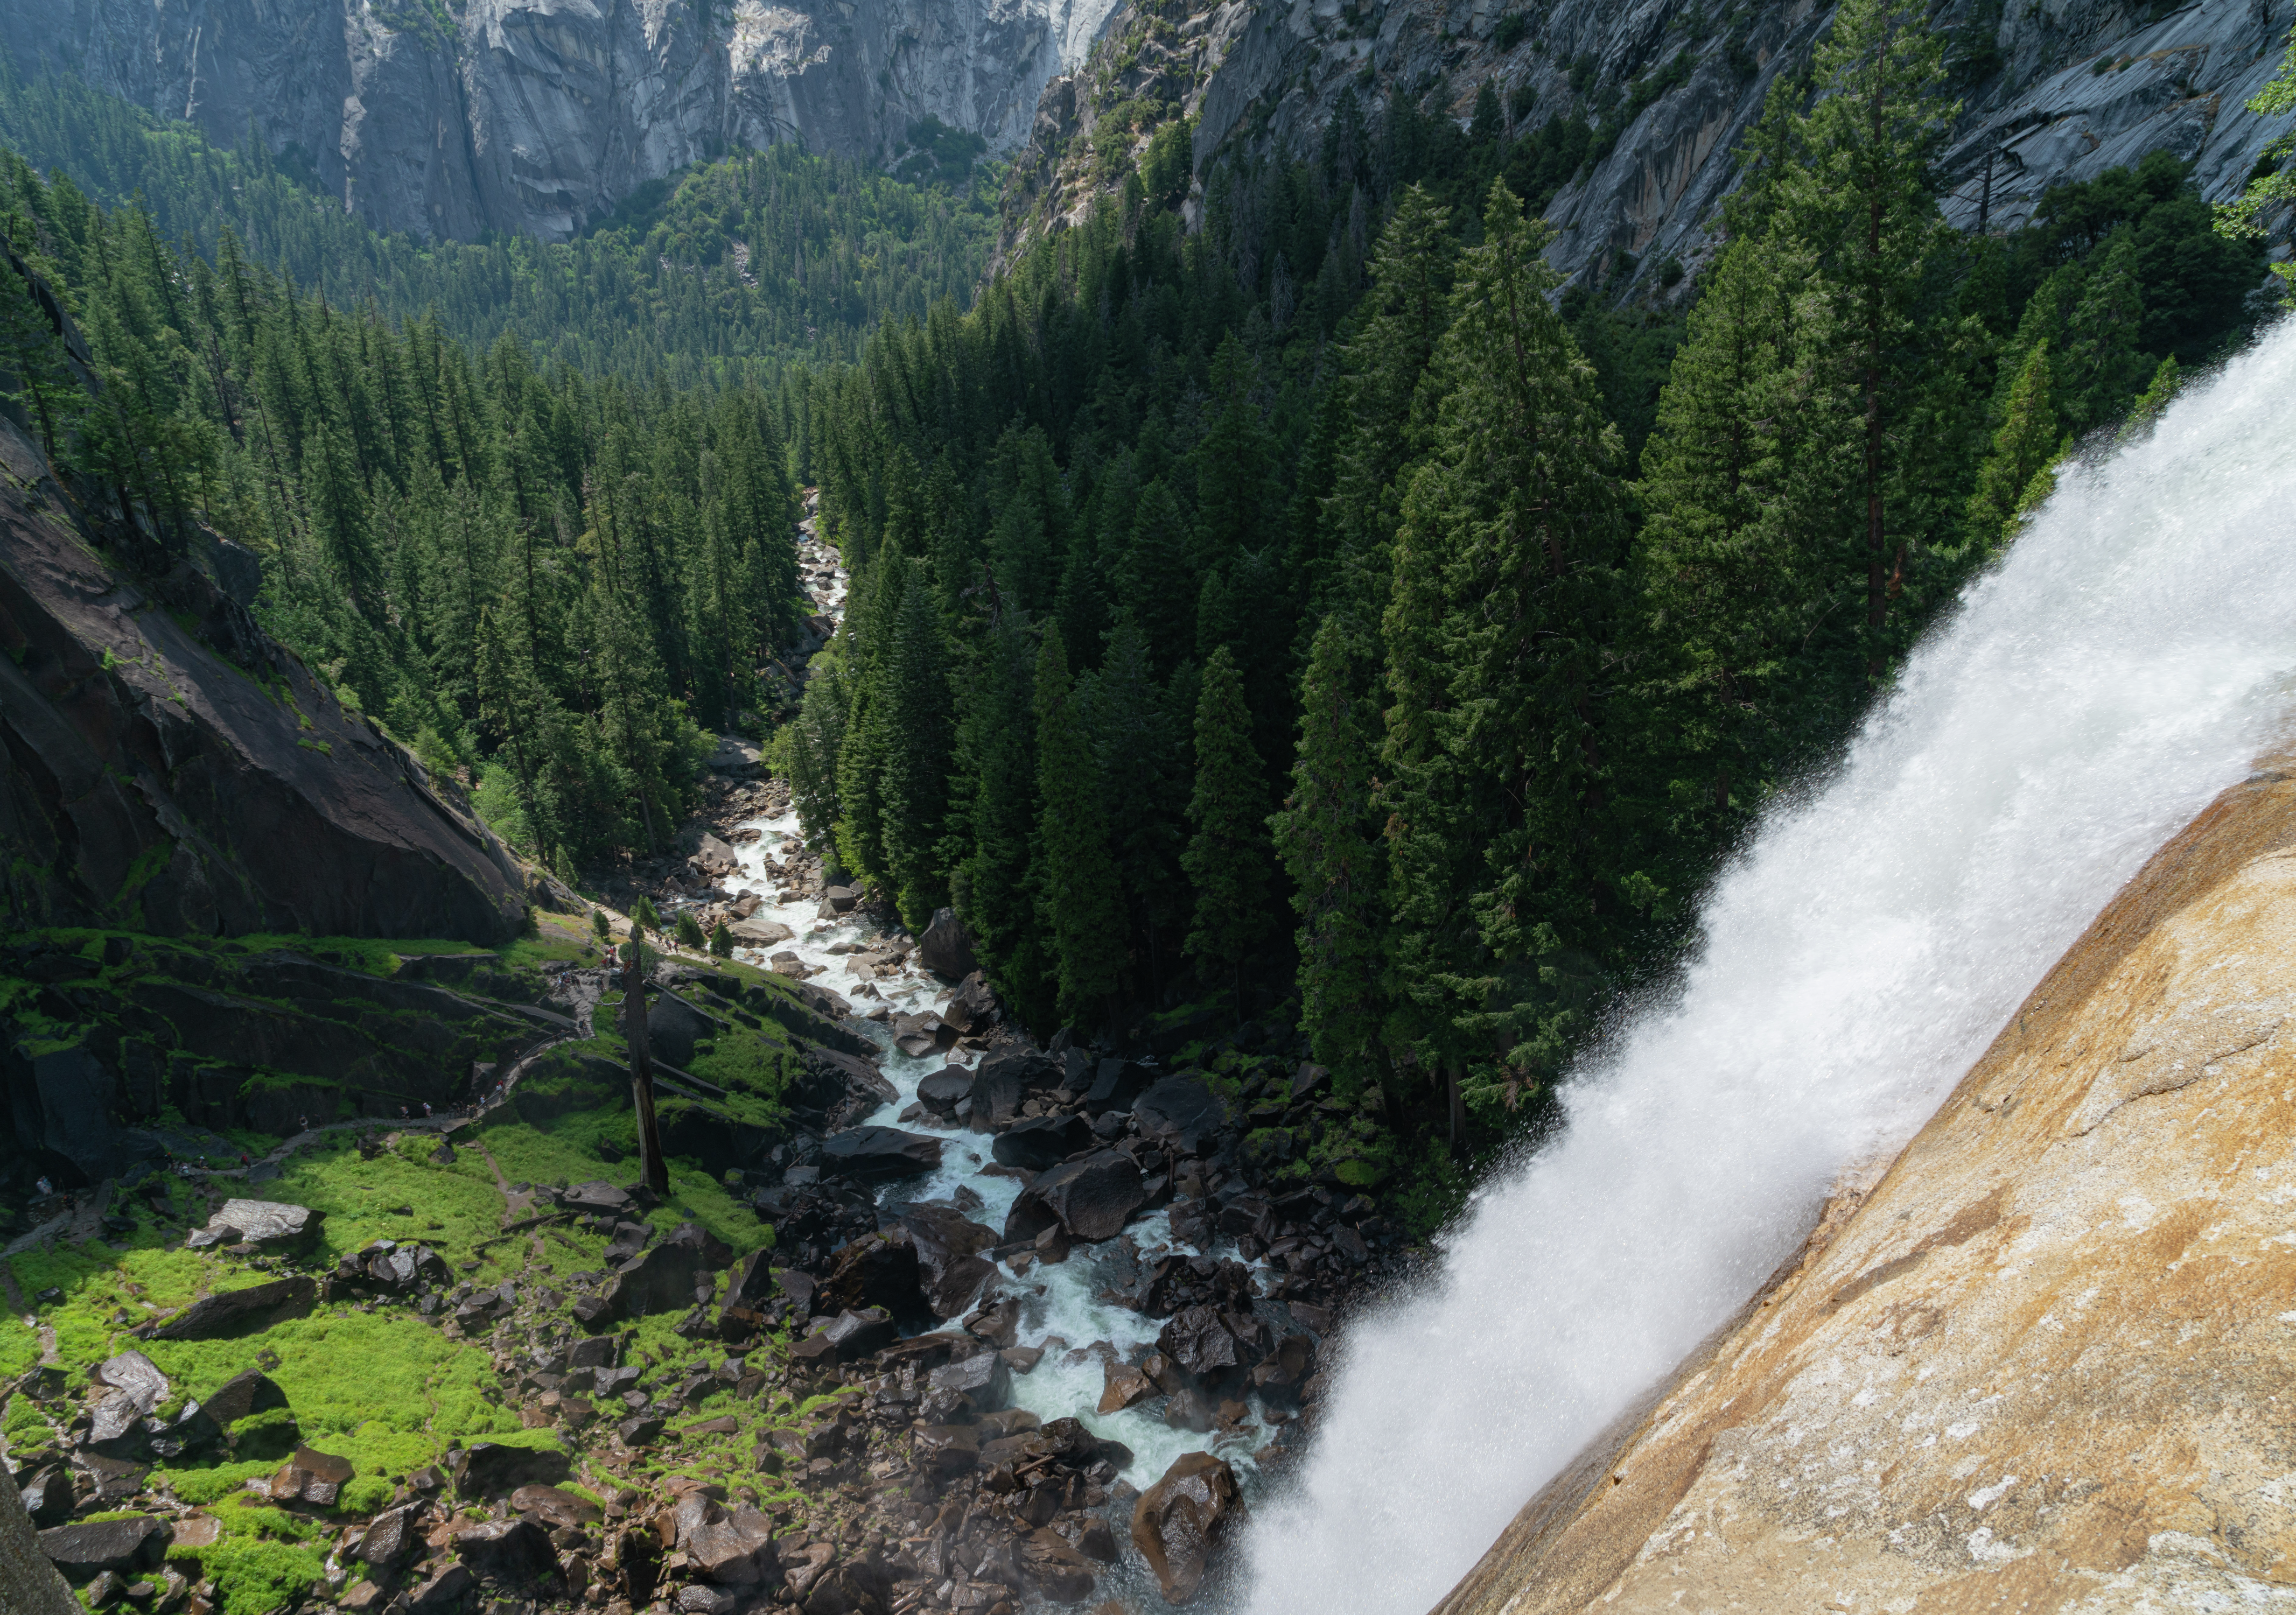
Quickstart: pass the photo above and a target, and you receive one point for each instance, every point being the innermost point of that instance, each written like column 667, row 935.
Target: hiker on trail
column 306, row 1123
column 426, row 1109
column 45, row 1188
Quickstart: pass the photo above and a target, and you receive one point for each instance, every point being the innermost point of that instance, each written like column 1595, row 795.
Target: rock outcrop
column 2038, row 1367
column 170, row 769
column 536, row 115
column 2049, row 91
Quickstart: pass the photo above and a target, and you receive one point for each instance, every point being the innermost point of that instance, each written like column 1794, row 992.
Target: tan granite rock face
column 2049, row 1361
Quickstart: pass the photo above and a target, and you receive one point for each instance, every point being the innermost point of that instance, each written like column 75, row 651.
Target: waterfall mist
column 2130, row 658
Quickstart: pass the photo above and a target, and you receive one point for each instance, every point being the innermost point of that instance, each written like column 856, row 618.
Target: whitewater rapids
column 2130, row 658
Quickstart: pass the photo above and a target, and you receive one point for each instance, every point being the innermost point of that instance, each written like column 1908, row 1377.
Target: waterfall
column 2127, row 659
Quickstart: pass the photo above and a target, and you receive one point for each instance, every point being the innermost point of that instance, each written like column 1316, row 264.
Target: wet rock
column 1199, row 1343
column 978, row 1384
column 942, row 1091
column 1188, row 1408
column 1054, row 1568
column 1122, row 1386
column 1181, row 1113
column 839, row 1087
column 82, row 1552
column 879, row 1269
column 1039, row 1141
column 488, row 1468
column 1179, row 1522
column 945, row 948
column 555, row 1507
column 1093, row 1198
column 998, row 1325
column 878, row 1154
column 238, row 1312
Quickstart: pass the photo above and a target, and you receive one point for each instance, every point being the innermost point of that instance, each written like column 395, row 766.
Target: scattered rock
column 1181, row 1113
column 487, row 1468
column 237, row 1311
column 732, row 1549
column 271, row 1224
column 442, row 1591
column 508, row 1552
column 84, row 1550
column 1039, row 1141
column 554, row 1506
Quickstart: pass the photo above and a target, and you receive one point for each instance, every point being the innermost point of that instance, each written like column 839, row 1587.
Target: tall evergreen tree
column 1328, row 839
column 1228, row 860
column 1078, row 899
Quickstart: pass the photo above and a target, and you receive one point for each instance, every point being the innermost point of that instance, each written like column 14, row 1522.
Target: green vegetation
column 1533, row 603
column 718, row 276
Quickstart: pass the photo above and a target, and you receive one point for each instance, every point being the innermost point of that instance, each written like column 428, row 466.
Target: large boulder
column 665, row 1278
column 509, row 1553
column 1179, row 1522
column 487, row 1468
column 391, row 1537
column 942, row 1092
column 949, row 1246
column 971, row 1008
column 1198, row 1340
column 271, row 1225
column 237, row 1311
column 878, row 1154
column 839, row 1087
column 86, row 1549
column 1092, row 1199
column 1117, row 1086
column 1005, row 1081
column 1181, row 1113
column 945, row 948
column 879, row 1269
column 1038, row 1142
column 757, row 931
column 246, row 1393
column 730, row 1548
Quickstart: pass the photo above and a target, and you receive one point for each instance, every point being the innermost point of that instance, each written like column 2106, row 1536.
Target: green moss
column 264, row 1559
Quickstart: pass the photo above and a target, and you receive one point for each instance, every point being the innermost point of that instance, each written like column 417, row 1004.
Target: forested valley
column 1312, row 613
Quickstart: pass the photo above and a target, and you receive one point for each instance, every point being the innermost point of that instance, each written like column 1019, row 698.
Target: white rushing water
column 2130, row 658
column 1062, row 1307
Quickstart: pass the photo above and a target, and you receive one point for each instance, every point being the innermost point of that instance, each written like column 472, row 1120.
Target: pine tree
column 33, row 354
column 1505, row 595
column 1856, row 192
column 1228, row 860
column 2024, row 443
column 995, row 887
column 913, row 788
column 1235, row 464
column 1160, row 589
column 1327, row 837
column 1078, row 901
column 1730, row 568
column 2101, row 370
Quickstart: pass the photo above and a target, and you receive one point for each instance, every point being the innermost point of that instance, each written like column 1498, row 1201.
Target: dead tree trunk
column 651, row 1172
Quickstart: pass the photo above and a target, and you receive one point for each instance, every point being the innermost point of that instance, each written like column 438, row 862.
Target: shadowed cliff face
column 446, row 119
column 2048, row 1359
column 1265, row 77
column 165, row 766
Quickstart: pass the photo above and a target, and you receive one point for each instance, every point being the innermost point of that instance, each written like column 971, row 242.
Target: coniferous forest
column 1316, row 611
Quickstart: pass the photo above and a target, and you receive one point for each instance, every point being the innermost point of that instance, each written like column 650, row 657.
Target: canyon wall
column 2038, row 1364
column 448, row 118
column 2049, row 90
